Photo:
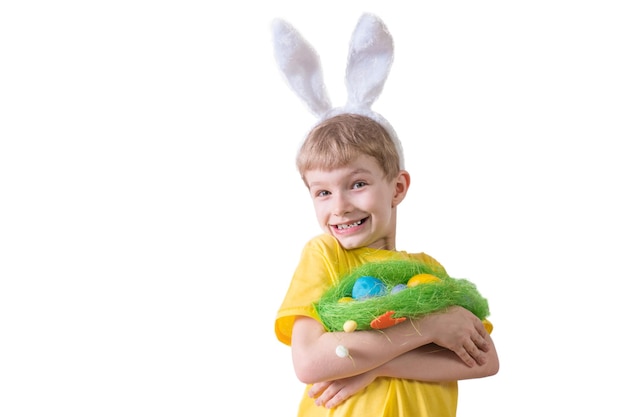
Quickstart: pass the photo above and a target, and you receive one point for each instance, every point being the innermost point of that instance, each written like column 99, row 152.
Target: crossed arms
column 442, row 346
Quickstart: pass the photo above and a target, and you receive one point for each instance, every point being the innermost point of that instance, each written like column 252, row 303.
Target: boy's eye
column 359, row 184
column 322, row 193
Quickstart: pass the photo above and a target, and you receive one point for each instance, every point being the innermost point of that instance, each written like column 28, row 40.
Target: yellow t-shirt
column 322, row 264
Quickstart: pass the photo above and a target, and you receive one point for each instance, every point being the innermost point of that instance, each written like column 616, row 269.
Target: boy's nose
column 341, row 205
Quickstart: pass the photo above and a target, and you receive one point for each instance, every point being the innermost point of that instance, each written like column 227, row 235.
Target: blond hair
column 339, row 140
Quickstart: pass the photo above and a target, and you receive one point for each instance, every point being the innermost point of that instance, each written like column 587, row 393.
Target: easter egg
column 342, row 351
column 349, row 326
column 421, row 279
column 367, row 287
column 398, row 288
column 345, row 300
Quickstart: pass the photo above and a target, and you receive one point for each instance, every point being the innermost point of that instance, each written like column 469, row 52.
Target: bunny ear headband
column 369, row 60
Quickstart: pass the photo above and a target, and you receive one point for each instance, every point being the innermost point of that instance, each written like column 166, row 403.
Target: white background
column 151, row 214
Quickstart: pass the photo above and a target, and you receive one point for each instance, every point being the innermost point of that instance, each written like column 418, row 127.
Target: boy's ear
column 402, row 182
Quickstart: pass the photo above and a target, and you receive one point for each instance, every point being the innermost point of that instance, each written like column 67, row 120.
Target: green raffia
column 411, row 302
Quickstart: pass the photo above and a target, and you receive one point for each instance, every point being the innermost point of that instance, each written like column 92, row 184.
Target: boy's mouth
column 345, row 226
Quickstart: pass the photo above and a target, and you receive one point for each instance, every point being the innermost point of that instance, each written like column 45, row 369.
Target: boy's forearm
column 432, row 363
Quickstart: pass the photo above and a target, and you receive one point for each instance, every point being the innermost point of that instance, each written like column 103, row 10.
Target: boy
column 352, row 169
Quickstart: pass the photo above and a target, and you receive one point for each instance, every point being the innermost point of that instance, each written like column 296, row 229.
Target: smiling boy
column 352, row 169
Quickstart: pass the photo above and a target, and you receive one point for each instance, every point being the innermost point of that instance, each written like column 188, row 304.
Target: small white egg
column 342, row 351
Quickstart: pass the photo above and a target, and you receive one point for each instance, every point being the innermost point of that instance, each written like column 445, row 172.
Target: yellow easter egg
column 349, row 326
column 345, row 300
column 421, row 279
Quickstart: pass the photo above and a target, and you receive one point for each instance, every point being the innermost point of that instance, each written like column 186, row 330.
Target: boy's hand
column 460, row 331
column 330, row 394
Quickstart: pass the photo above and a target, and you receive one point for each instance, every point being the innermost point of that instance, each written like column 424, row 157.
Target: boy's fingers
column 466, row 357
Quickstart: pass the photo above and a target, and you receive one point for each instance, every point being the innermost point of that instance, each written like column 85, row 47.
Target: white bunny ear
column 300, row 65
column 369, row 61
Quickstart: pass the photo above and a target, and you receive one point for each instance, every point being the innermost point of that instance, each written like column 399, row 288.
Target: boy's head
column 351, row 167
column 341, row 139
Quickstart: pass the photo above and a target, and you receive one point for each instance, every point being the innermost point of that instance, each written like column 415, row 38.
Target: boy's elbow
column 309, row 370
column 493, row 365
column 306, row 372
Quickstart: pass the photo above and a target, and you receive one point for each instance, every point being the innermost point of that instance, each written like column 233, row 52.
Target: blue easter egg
column 367, row 287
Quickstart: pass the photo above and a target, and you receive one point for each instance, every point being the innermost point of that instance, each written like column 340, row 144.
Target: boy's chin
column 349, row 243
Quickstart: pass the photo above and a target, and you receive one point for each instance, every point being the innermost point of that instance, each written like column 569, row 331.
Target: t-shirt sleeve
column 311, row 278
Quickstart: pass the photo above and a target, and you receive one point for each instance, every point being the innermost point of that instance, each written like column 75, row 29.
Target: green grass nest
column 412, row 302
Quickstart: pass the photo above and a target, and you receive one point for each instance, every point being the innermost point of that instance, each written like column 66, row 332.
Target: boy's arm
column 429, row 363
column 315, row 360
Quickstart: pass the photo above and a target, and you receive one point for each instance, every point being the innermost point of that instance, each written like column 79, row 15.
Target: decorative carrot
column 385, row 320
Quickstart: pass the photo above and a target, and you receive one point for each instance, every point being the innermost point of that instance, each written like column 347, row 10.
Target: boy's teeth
column 346, row 226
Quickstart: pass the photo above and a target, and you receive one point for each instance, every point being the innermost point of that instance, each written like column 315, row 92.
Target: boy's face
column 356, row 203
